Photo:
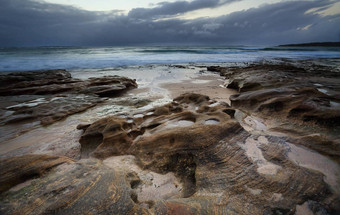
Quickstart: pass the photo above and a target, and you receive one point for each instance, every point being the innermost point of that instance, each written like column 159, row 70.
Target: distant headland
column 319, row 44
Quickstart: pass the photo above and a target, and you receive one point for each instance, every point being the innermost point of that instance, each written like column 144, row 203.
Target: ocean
column 41, row 58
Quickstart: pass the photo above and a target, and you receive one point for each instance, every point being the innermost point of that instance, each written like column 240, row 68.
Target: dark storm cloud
column 29, row 23
column 278, row 23
column 173, row 8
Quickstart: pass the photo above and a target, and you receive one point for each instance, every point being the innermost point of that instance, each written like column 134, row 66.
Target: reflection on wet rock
column 60, row 95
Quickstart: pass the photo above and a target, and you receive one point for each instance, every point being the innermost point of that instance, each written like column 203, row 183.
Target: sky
column 107, row 5
column 167, row 22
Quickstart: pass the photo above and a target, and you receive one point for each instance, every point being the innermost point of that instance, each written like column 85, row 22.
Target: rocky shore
column 273, row 147
column 62, row 95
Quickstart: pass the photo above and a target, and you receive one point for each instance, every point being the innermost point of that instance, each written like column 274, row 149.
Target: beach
column 157, row 85
column 201, row 138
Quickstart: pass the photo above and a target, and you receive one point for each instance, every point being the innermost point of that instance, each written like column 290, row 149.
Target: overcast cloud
column 32, row 23
column 173, row 8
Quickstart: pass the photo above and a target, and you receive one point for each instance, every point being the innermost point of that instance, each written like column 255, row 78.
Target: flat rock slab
column 49, row 96
column 298, row 101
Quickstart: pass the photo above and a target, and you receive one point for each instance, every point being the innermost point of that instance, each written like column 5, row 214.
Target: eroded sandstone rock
column 221, row 166
column 17, row 170
column 82, row 187
column 300, row 101
column 190, row 156
column 49, row 96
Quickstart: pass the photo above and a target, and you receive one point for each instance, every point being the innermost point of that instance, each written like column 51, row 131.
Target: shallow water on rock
column 313, row 160
column 211, row 122
column 31, row 103
column 138, row 116
column 180, row 123
column 252, row 148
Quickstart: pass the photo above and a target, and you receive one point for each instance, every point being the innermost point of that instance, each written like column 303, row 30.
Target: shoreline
column 157, row 91
column 263, row 123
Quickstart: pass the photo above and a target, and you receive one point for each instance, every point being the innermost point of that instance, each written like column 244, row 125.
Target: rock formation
column 302, row 102
column 49, row 96
column 191, row 156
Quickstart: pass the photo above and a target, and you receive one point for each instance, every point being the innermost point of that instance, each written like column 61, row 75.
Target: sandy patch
column 313, row 160
column 209, row 85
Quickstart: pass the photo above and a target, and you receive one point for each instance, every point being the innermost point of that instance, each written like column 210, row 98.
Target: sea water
column 41, row 58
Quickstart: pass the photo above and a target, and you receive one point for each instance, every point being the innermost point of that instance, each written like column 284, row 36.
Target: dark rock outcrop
column 17, row 170
column 301, row 101
column 53, row 95
column 33, row 78
column 60, row 81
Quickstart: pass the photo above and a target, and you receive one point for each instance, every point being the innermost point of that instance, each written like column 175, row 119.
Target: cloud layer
column 173, row 8
column 32, row 23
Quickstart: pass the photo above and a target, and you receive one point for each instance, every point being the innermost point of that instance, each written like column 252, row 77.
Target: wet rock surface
column 300, row 101
column 191, row 156
column 275, row 150
column 29, row 166
column 49, row 96
column 82, row 187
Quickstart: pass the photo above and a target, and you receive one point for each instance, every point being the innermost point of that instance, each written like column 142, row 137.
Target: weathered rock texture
column 192, row 146
column 85, row 187
column 17, row 170
column 48, row 96
column 302, row 101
